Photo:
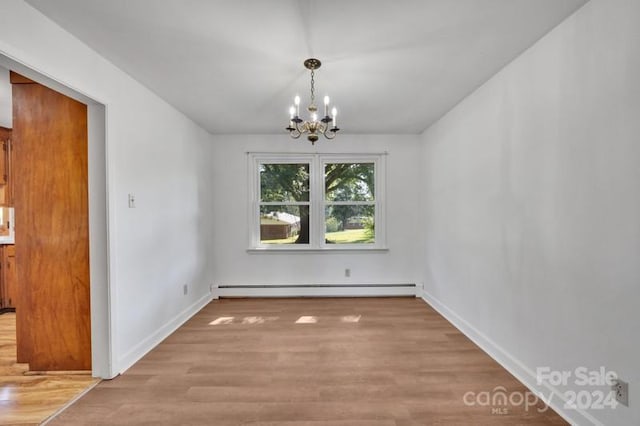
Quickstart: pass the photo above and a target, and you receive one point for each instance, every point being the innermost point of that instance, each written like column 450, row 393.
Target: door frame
column 100, row 266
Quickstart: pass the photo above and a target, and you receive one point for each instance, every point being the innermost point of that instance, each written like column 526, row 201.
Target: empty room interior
column 337, row 213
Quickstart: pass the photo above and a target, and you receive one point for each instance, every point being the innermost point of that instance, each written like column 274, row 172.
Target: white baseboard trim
column 514, row 366
column 141, row 349
column 315, row 290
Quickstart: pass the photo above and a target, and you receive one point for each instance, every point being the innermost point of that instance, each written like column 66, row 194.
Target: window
column 316, row 202
column 284, row 203
column 349, row 203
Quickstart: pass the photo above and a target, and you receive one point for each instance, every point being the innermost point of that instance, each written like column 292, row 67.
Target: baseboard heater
column 315, row 290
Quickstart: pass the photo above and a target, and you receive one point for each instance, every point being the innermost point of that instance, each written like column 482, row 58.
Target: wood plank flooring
column 31, row 399
column 309, row 362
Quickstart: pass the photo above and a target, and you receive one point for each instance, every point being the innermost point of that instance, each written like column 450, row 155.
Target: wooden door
column 52, row 235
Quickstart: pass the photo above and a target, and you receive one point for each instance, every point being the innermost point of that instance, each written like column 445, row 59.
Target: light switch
column 132, row 201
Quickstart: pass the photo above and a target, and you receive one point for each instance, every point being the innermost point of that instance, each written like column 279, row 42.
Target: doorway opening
column 97, row 203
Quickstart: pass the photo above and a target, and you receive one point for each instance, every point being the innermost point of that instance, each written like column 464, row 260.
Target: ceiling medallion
column 312, row 127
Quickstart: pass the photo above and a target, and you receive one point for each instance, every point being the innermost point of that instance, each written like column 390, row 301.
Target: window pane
column 349, row 181
column 349, row 224
column 284, row 224
column 284, row 182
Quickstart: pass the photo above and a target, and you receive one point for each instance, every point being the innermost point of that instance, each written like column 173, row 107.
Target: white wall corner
column 420, row 289
column 141, row 349
column 523, row 373
column 214, row 290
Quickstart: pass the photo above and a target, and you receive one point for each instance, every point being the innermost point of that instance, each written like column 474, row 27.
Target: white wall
column 532, row 205
column 233, row 265
column 6, row 112
column 152, row 151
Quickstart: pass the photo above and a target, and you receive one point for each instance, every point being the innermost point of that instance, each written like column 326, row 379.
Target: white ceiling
column 391, row 66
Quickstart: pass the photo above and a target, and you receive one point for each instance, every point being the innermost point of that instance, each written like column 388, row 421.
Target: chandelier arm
column 300, row 129
column 333, row 135
column 296, row 132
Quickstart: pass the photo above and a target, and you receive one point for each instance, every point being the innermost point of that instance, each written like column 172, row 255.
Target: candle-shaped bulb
column 296, row 102
column 292, row 111
column 334, row 114
column 326, row 105
column 314, row 116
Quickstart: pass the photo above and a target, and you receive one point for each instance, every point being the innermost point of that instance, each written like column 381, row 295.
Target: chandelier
column 312, row 127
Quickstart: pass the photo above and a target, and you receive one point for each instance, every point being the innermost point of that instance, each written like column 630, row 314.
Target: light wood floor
column 309, row 362
column 30, row 399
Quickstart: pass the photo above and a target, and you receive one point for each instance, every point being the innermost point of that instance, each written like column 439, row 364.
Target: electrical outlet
column 621, row 390
column 185, row 289
column 347, row 272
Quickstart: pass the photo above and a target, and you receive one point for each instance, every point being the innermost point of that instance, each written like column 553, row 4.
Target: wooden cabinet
column 8, row 285
column 8, row 281
column 6, row 193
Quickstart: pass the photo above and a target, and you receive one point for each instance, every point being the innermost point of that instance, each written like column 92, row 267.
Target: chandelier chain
column 313, row 87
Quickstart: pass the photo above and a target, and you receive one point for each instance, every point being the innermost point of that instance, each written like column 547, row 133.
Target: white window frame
column 316, row 200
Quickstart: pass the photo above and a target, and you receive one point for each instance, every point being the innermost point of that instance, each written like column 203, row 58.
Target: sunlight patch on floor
column 307, row 320
column 244, row 321
column 222, row 320
column 351, row 318
column 258, row 320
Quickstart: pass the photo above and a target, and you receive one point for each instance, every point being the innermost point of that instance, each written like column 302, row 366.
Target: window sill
column 341, row 250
